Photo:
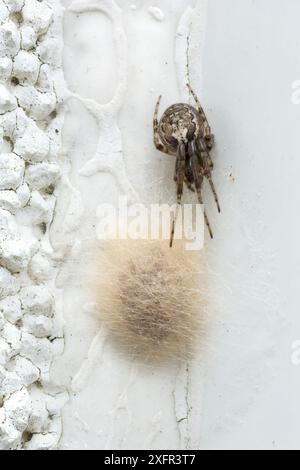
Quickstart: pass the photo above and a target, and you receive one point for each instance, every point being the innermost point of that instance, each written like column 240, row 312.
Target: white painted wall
column 243, row 391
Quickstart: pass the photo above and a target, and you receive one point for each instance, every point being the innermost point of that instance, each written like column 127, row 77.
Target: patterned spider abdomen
column 179, row 123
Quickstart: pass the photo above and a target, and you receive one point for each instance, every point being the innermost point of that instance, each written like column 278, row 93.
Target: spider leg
column 176, row 170
column 155, row 119
column 180, row 170
column 209, row 141
column 180, row 175
column 198, row 178
column 189, row 177
column 202, row 149
column 207, row 163
column 209, row 137
column 157, row 141
column 212, row 186
column 189, row 185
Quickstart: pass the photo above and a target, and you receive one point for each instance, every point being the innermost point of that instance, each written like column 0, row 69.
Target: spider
column 184, row 131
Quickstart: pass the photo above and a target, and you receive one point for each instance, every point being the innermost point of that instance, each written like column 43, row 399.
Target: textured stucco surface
column 30, row 130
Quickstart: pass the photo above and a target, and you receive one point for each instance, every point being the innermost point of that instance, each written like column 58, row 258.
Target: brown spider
column 184, row 131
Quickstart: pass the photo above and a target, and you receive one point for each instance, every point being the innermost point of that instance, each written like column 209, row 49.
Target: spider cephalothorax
column 184, row 131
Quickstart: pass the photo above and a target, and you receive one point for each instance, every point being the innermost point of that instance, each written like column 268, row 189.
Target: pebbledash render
column 31, row 119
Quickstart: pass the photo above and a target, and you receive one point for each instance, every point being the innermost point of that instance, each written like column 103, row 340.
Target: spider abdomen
column 179, row 123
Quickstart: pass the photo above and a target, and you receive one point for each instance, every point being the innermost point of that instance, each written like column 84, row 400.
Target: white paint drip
column 109, row 153
column 118, row 432
column 107, row 158
column 84, row 425
column 156, row 13
column 93, row 357
column 156, row 428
